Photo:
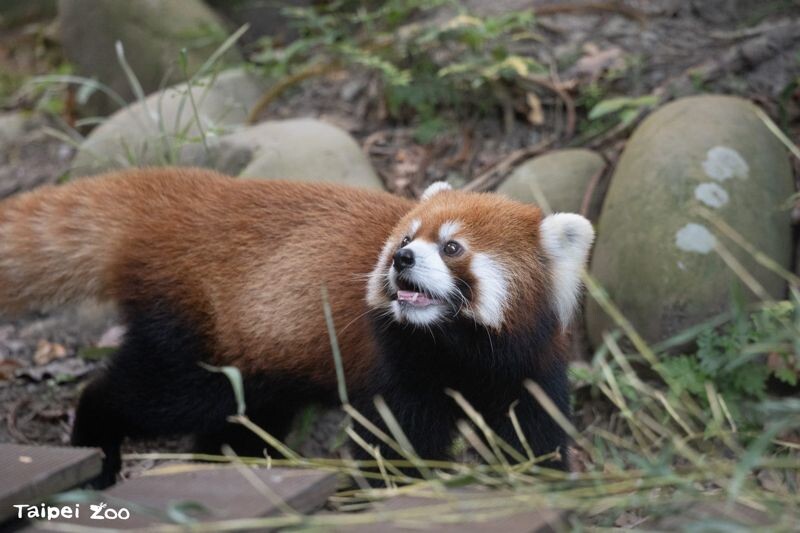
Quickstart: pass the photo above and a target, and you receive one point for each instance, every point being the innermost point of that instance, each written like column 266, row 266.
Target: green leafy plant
column 623, row 109
column 432, row 73
column 740, row 357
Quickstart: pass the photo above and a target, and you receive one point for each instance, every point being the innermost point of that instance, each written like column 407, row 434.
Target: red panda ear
column 435, row 188
column 566, row 238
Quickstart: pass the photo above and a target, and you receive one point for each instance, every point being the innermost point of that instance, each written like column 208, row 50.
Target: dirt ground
column 747, row 48
column 671, row 47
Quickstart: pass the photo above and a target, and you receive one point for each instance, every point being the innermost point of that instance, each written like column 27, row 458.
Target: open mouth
column 413, row 295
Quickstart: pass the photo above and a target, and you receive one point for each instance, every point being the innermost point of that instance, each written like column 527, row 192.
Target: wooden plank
column 222, row 492
column 427, row 516
column 736, row 514
column 29, row 474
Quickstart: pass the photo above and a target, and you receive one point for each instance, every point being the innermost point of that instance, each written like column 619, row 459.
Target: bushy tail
column 57, row 243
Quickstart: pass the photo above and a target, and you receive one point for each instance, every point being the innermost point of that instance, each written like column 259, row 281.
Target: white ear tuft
column 566, row 238
column 435, row 188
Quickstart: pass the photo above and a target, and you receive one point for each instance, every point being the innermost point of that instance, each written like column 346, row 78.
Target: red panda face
column 479, row 256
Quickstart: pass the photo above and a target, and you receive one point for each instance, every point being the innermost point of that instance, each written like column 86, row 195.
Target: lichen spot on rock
column 711, row 194
column 723, row 163
column 695, row 238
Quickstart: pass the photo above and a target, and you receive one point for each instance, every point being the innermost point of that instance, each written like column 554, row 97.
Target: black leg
column 542, row 433
column 153, row 387
column 114, row 407
column 98, row 426
column 242, row 440
column 427, row 419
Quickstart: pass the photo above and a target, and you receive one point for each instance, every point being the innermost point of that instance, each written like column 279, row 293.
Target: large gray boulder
column 155, row 131
column 302, row 149
column 561, row 177
column 655, row 256
column 305, row 150
column 152, row 32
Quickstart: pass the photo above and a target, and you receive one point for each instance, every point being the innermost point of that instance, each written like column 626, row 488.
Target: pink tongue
column 414, row 298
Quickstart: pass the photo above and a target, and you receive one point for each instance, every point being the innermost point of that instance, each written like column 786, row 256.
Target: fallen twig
column 464, row 151
column 569, row 103
column 490, row 177
column 373, row 139
column 280, row 87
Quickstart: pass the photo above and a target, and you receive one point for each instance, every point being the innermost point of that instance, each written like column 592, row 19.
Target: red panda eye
column 405, row 241
column 452, row 248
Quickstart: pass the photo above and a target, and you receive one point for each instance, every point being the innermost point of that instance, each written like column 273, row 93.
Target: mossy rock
column 655, row 255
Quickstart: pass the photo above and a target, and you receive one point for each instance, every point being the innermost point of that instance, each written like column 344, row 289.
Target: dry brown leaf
column 596, row 62
column 770, row 482
column 47, row 352
column 776, row 361
column 7, row 368
column 535, row 114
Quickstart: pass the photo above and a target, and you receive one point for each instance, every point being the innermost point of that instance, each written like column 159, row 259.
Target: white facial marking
column 448, row 230
column 435, row 188
column 377, row 278
column 417, row 316
column 724, row 163
column 429, row 271
column 566, row 238
column 695, row 238
column 711, row 194
column 414, row 228
column 492, row 290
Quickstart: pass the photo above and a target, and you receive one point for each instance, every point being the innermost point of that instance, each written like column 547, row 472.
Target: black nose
column 403, row 259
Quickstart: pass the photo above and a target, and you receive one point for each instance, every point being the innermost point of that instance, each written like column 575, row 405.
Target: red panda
column 463, row 291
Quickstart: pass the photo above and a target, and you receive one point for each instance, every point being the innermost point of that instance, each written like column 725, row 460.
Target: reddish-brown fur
column 234, row 253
